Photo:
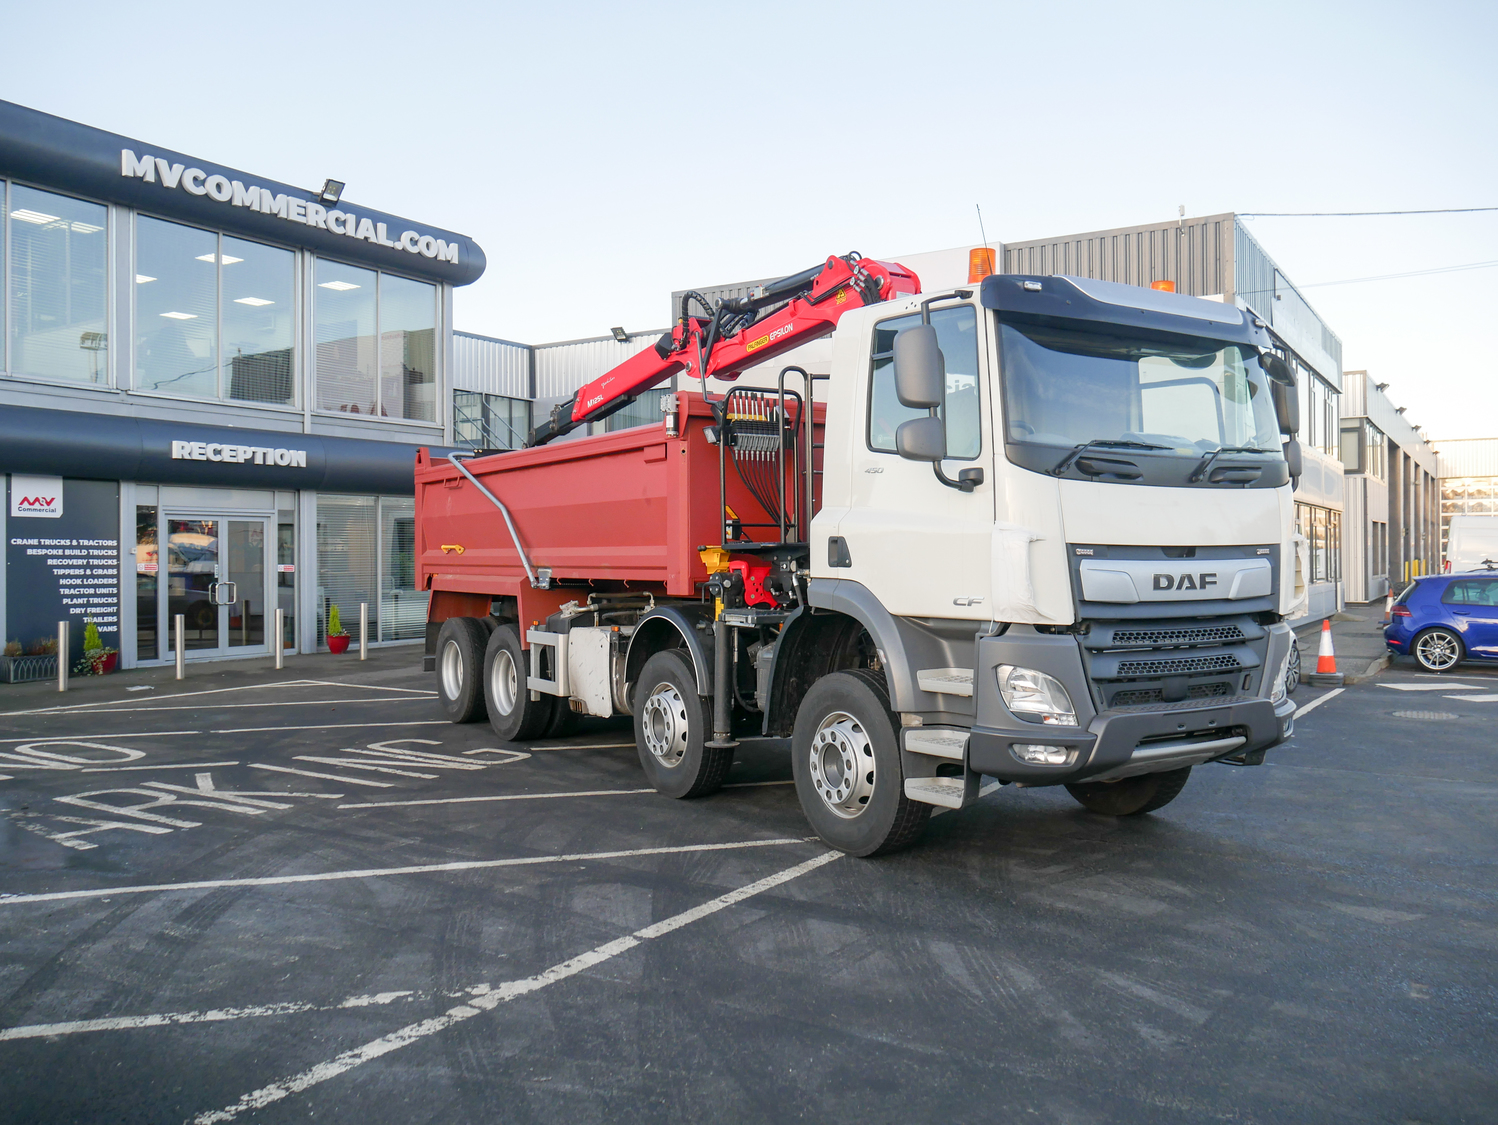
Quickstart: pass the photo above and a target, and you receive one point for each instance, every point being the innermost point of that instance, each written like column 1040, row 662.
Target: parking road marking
column 1430, row 687
column 485, row 998
column 503, row 797
column 1317, row 702
column 78, row 707
column 1475, row 698
column 326, row 726
column 378, row 872
column 215, row 1015
column 229, row 706
column 324, row 776
column 178, row 766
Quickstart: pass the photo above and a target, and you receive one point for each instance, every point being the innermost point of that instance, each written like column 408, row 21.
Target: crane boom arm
column 736, row 335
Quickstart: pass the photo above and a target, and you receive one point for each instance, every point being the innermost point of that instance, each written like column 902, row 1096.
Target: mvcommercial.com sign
column 308, row 212
column 35, row 497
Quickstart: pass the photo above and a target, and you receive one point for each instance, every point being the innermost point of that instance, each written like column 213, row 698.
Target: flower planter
column 24, row 669
column 337, row 645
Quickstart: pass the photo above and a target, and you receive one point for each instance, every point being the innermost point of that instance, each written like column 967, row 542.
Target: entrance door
column 217, row 572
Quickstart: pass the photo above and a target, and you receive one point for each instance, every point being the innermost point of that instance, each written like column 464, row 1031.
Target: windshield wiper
column 1206, row 462
column 1101, row 443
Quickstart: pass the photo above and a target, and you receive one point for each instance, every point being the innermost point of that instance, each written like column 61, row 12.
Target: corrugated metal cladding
column 1205, row 257
column 1196, row 254
column 714, row 294
column 1469, row 457
column 563, row 367
column 495, row 367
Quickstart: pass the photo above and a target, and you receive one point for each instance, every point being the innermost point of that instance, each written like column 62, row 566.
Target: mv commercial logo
column 35, row 497
column 1164, row 582
column 221, row 189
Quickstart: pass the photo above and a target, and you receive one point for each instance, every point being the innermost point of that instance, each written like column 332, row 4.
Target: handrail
column 509, row 523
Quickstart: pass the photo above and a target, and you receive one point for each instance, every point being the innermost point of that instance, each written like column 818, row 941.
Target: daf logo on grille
column 1185, row 581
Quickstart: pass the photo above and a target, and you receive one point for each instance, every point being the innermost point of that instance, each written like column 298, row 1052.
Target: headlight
column 1034, row 696
column 1277, row 691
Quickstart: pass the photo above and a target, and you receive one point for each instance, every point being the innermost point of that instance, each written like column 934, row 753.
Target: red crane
column 737, row 334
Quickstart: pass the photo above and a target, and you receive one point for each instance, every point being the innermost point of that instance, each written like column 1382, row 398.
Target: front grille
column 1133, row 697
column 1194, row 636
column 1178, row 667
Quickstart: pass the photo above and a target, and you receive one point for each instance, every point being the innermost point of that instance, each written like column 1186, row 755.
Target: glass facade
column 259, row 322
column 208, row 316
column 59, row 294
column 485, row 421
column 366, row 553
column 1322, row 528
column 376, row 343
column 1466, row 496
column 408, row 349
column 176, row 308
column 642, row 412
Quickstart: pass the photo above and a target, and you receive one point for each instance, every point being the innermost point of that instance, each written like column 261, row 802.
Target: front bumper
column 1119, row 741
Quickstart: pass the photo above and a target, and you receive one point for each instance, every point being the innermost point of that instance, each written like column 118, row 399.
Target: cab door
column 920, row 546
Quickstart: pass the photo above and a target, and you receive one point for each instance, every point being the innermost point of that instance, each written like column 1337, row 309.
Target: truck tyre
column 672, row 723
column 563, row 719
column 845, row 755
column 1438, row 650
column 1131, row 796
column 514, row 716
column 460, row 662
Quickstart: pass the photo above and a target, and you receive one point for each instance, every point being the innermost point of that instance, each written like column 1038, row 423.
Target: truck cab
column 1086, row 578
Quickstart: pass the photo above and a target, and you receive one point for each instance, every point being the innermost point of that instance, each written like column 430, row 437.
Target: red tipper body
column 628, row 509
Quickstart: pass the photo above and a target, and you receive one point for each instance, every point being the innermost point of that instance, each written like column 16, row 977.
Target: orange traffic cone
column 1326, row 674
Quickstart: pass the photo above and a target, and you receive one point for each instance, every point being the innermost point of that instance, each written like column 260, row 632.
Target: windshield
column 1064, row 388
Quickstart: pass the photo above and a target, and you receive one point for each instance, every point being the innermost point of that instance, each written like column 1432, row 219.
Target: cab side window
column 957, row 333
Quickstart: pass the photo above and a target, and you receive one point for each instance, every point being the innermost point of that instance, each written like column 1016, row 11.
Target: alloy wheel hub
column 664, row 718
column 842, row 765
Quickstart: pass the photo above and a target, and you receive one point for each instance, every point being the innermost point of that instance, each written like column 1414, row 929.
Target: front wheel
column 845, row 755
column 672, row 723
column 1437, row 650
column 1131, row 796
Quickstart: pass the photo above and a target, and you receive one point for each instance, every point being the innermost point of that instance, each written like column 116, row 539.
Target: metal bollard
column 363, row 630
column 179, row 642
column 62, row 656
column 280, row 641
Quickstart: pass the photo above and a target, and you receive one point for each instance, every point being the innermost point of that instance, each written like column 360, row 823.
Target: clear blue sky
column 604, row 154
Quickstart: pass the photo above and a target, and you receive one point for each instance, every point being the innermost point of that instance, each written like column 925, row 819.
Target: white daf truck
column 1051, row 544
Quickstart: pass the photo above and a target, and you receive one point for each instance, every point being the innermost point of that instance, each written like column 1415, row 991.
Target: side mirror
column 921, row 439
column 920, row 369
column 1286, row 405
column 1294, row 459
column 1276, row 368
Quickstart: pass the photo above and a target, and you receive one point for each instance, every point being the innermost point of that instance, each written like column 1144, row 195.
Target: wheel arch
column 670, row 627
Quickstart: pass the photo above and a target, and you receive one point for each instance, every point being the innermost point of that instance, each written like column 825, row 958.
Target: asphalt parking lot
column 280, row 899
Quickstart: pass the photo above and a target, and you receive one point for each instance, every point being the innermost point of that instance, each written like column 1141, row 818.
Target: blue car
column 1444, row 619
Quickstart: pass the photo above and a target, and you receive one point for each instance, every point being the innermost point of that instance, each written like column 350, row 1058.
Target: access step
column 946, row 681
column 944, row 791
column 939, row 742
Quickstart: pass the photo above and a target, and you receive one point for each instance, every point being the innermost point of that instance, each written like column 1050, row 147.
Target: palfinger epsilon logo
column 35, row 497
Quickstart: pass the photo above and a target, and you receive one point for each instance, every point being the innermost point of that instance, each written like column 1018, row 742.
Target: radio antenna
column 981, row 231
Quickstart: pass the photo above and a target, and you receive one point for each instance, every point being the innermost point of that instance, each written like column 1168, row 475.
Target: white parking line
column 504, row 797
column 485, row 998
column 177, row 766
column 215, row 1015
column 237, row 706
column 323, row 776
column 331, row 726
column 1317, row 702
column 82, row 707
column 1475, row 698
column 1430, row 687
column 380, row 872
